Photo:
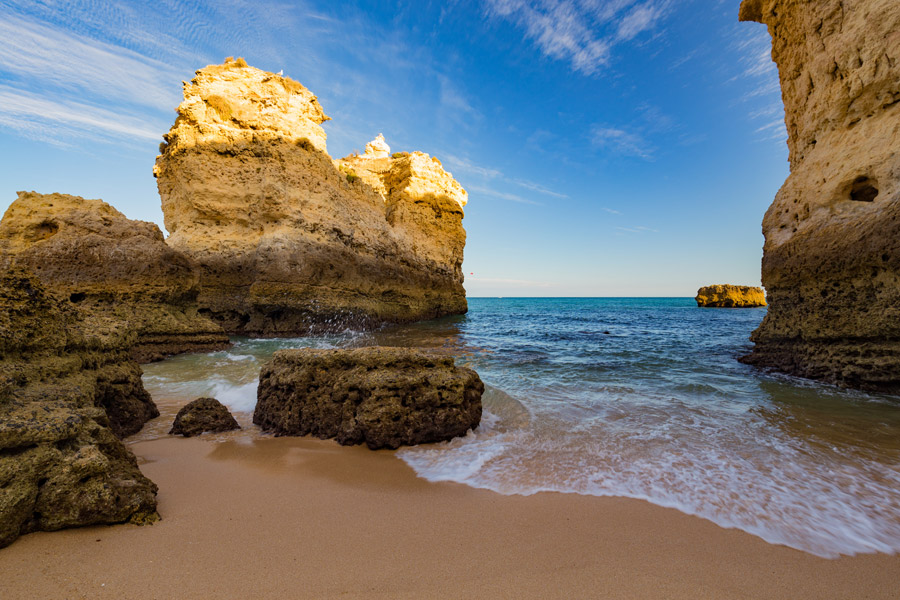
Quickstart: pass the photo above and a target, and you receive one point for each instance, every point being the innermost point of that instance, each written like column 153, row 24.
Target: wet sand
column 249, row 517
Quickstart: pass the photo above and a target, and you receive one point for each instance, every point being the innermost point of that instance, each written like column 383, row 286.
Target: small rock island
column 730, row 296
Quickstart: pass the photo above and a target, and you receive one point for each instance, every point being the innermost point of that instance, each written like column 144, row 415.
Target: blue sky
column 609, row 147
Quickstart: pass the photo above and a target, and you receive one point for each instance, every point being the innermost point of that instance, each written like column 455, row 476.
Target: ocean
column 635, row 397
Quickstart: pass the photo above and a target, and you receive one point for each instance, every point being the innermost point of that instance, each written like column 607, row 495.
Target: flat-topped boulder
column 111, row 269
column 383, row 397
column 289, row 241
column 203, row 415
column 730, row 296
column 67, row 393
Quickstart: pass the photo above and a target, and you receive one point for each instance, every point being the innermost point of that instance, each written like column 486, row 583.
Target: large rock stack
column 289, row 241
column 111, row 269
column 831, row 262
column 67, row 393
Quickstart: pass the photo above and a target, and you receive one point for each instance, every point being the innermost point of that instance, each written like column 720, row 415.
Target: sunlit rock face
column 115, row 271
column 832, row 252
column 290, row 241
column 730, row 296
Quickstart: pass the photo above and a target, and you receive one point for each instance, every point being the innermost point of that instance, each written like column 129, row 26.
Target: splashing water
column 641, row 398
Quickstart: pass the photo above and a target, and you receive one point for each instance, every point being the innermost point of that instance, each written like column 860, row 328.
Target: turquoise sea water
column 635, row 397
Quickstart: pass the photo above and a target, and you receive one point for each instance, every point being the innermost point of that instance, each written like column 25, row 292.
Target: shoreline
column 246, row 516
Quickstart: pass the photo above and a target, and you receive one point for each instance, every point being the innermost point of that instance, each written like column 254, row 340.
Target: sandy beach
column 246, row 517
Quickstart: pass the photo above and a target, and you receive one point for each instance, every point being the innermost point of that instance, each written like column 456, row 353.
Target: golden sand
column 249, row 517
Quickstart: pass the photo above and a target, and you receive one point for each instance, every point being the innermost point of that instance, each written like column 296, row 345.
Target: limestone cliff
column 65, row 391
column 831, row 263
column 109, row 267
column 730, row 296
column 288, row 240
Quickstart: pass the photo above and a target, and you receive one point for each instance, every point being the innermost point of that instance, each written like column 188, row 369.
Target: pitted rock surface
column 112, row 269
column 831, row 260
column 65, row 394
column 203, row 415
column 383, row 397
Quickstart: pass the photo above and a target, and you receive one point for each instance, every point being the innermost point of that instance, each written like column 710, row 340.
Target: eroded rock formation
column 290, row 241
column 730, row 296
column 202, row 415
column 831, row 263
column 65, row 392
column 113, row 269
column 383, row 397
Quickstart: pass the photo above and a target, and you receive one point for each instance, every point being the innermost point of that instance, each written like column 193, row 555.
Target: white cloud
column 621, row 141
column 85, row 67
column 637, row 229
column 760, row 74
column 582, row 32
column 41, row 118
column 536, row 187
column 501, row 195
column 467, row 166
column 641, row 18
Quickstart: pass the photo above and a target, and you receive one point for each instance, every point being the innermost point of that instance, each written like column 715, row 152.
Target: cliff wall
column 111, row 269
column 831, row 260
column 289, row 241
column 66, row 395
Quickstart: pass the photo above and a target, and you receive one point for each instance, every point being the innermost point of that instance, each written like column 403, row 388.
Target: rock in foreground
column 64, row 391
column 112, row 269
column 383, row 397
column 730, row 296
column 831, row 260
column 289, row 241
column 202, row 415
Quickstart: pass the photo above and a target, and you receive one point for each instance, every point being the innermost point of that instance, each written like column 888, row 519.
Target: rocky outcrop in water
column 65, row 393
column 831, row 262
column 202, row 415
column 289, row 241
column 730, row 296
column 383, row 397
column 112, row 269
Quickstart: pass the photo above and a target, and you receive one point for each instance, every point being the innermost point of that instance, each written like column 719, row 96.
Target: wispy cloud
column 637, row 229
column 488, row 173
column 58, row 122
column 502, row 195
column 467, row 166
column 760, row 76
column 582, row 32
column 85, row 67
column 536, row 187
column 610, row 211
column 621, row 142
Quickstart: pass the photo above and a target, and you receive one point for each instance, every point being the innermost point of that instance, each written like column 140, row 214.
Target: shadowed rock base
column 65, row 392
column 202, row 415
column 113, row 270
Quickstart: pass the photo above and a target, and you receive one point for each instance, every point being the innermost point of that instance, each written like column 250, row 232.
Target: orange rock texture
column 289, row 241
column 730, row 296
